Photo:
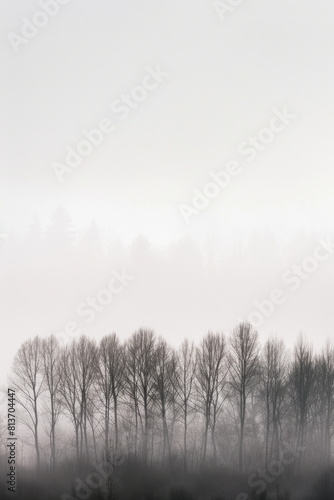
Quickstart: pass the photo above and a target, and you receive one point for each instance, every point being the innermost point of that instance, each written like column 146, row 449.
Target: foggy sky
column 224, row 80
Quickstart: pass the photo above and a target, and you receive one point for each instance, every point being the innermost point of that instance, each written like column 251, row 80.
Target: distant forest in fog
column 228, row 402
column 219, row 279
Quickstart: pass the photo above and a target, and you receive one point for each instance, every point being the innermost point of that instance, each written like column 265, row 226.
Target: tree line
column 228, row 401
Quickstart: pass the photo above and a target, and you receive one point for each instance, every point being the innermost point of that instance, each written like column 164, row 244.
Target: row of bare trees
column 228, row 401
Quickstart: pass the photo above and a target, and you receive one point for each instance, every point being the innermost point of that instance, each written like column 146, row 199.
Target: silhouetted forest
column 227, row 418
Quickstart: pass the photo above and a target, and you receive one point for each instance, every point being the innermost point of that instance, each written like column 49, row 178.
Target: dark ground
column 135, row 481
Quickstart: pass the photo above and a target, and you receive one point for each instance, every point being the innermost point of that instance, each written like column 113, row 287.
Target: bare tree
column 86, row 358
column 210, row 378
column 325, row 392
column 51, row 373
column 302, row 384
column 28, row 381
column 184, row 387
column 243, row 367
column 78, row 372
column 141, row 360
column 272, row 392
column 70, row 391
column 111, row 383
column 164, row 373
column 132, row 391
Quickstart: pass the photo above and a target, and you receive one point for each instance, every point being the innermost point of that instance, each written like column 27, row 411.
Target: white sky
column 225, row 79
